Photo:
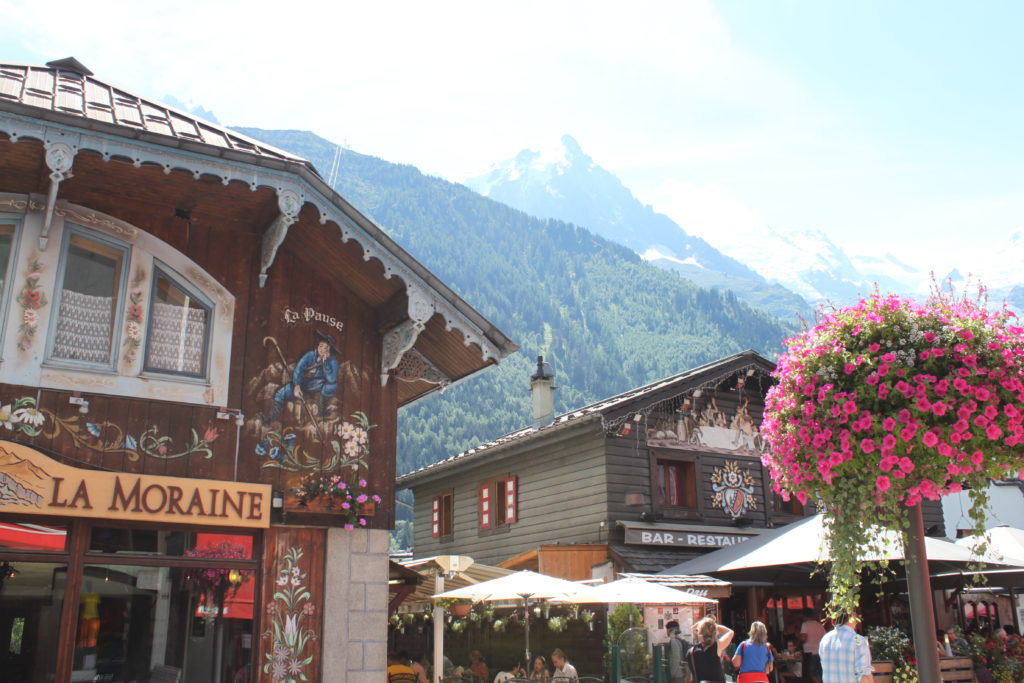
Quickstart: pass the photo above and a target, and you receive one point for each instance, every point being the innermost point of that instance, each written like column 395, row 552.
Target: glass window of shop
column 133, row 604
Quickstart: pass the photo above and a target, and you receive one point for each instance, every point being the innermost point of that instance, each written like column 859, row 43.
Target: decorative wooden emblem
column 734, row 489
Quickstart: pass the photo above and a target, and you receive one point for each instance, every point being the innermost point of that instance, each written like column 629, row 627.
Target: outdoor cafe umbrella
column 789, row 555
column 636, row 591
column 1005, row 547
column 523, row 585
column 1004, row 543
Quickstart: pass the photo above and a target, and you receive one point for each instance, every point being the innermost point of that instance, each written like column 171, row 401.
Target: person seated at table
column 418, row 663
column 564, row 671
column 540, row 670
column 957, row 643
column 791, row 661
column 478, row 667
column 513, row 670
column 399, row 670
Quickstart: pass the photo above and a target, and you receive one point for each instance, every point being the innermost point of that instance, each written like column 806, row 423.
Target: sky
column 890, row 127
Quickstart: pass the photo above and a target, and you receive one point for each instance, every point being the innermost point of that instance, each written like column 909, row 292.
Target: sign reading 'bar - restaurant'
column 32, row 483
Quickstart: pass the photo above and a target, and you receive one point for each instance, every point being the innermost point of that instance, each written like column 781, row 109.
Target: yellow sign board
column 32, row 483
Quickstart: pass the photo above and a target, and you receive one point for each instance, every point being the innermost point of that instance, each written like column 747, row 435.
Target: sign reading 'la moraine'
column 682, row 539
column 31, row 483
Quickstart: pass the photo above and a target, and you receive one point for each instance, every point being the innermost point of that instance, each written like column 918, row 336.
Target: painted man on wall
column 314, row 379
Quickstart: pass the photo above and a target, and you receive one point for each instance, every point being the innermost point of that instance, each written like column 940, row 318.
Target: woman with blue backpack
column 754, row 659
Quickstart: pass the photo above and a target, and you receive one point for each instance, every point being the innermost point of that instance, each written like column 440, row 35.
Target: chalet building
column 635, row 483
column 199, row 341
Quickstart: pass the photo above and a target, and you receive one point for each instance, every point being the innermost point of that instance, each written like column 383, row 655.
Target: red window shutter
column 435, row 524
column 511, row 500
column 486, row 506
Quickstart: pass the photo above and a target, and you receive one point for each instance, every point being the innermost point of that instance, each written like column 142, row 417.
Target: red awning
column 32, row 537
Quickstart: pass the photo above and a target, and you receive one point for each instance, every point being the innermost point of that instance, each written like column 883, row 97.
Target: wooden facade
column 596, row 469
column 656, row 476
column 179, row 301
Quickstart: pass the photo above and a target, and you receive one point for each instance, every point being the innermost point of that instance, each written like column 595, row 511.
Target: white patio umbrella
column 636, row 591
column 523, row 585
column 789, row 554
column 1005, row 543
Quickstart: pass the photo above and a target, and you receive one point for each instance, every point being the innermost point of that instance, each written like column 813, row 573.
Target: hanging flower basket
column 888, row 403
column 460, row 609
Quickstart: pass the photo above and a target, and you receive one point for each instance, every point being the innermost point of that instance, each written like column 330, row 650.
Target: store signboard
column 32, row 483
column 683, row 539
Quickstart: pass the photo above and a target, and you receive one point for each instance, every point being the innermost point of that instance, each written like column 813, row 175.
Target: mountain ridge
column 606, row 320
column 565, row 183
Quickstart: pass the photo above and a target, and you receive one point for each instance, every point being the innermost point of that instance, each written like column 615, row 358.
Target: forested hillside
column 606, row 320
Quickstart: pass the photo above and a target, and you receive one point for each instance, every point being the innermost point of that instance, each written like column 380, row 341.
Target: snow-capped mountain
column 812, row 265
column 780, row 271
column 566, row 184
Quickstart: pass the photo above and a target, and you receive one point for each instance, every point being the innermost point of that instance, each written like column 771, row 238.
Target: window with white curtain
column 89, row 300
column 178, row 337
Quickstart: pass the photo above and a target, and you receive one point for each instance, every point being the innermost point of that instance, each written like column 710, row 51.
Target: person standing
column 845, row 654
column 678, row 668
column 811, row 633
column 564, row 671
column 705, row 656
column 753, row 659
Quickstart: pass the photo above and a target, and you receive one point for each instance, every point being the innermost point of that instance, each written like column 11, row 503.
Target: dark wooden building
column 195, row 328
column 638, row 482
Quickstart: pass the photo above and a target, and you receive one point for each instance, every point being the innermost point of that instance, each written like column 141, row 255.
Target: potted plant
column 889, row 644
column 325, row 492
column 457, row 607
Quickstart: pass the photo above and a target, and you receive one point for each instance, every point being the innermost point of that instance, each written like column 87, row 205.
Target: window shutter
column 485, row 506
column 435, row 516
column 511, row 500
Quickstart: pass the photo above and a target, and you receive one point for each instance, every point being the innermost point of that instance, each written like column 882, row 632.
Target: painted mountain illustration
column 21, row 481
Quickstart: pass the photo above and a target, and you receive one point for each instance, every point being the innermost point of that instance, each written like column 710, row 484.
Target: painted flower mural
column 350, row 450
column 292, row 624
column 23, row 416
column 31, row 298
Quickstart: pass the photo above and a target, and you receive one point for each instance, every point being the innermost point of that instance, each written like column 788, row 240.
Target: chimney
column 542, row 384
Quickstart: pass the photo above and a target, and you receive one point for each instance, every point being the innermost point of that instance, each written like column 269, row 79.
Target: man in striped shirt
column 845, row 655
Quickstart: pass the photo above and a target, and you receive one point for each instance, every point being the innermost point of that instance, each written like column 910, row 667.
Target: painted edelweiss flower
column 30, row 317
column 134, row 331
column 7, row 419
column 29, row 415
